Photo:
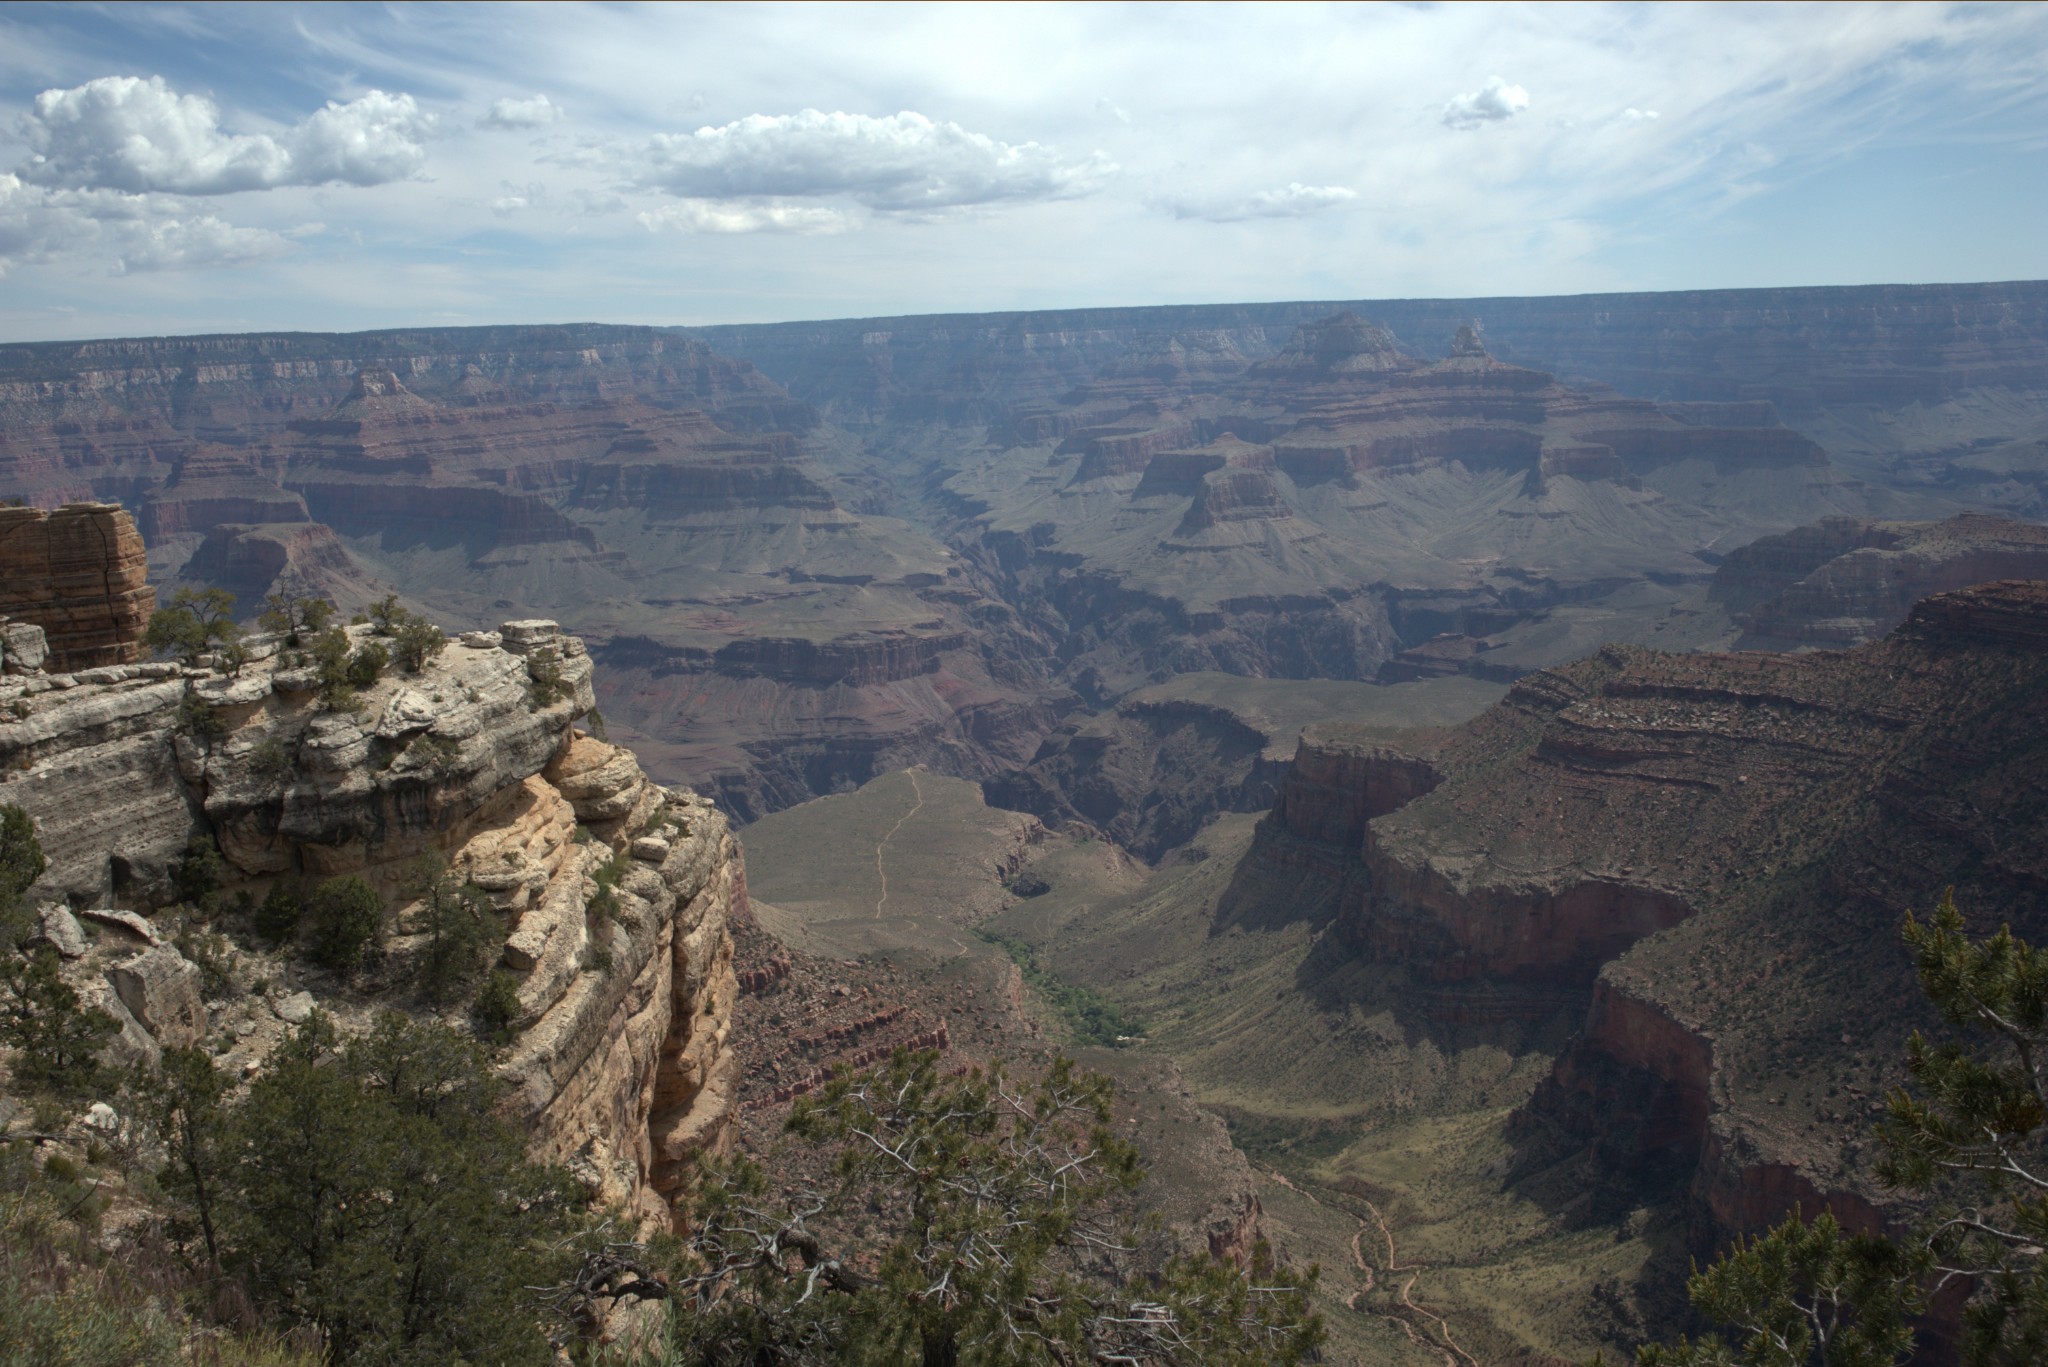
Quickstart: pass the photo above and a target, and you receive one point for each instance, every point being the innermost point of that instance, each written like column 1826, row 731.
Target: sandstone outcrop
column 82, row 575
column 620, row 1064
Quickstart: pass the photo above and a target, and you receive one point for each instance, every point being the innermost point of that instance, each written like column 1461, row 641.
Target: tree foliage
column 369, row 1189
column 462, row 934
column 192, row 623
column 970, row 1219
column 56, row 1039
column 21, row 863
column 298, row 618
column 347, row 921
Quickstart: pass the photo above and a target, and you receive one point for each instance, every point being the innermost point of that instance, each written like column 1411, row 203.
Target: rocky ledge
column 619, row 1063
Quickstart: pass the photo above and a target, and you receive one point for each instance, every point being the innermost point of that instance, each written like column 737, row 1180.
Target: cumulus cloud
column 1294, row 201
column 721, row 216
column 902, row 163
column 138, row 135
column 537, row 112
column 129, row 232
column 1495, row 102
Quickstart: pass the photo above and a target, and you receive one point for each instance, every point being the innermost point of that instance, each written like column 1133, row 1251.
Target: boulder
column 236, row 692
column 602, row 782
column 294, row 1009
column 130, row 1046
column 409, row 710
column 160, row 988
column 523, row 638
column 26, row 648
column 127, row 921
column 60, row 930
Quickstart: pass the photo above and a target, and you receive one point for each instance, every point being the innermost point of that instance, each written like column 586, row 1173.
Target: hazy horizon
column 187, row 169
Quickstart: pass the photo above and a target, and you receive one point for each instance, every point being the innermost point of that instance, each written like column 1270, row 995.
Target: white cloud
column 1106, row 105
column 138, row 135
column 537, row 112
column 1294, row 201
column 1494, row 102
column 130, row 232
column 903, row 163
column 1639, row 115
column 720, row 216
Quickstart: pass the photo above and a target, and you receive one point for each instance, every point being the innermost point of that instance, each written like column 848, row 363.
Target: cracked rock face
column 160, row 988
column 620, row 1066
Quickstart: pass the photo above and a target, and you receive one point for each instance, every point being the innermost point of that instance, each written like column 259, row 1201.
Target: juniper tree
column 297, row 618
column 193, row 622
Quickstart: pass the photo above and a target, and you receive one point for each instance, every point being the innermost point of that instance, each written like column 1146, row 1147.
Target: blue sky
column 192, row 168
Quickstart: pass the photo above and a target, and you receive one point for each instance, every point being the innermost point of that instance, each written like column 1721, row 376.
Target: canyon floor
column 1375, row 1148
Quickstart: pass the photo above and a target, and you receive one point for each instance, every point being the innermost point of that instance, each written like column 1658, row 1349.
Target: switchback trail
column 883, row 844
column 1448, row 1349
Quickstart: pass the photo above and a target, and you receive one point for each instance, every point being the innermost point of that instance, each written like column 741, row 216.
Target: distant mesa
column 1342, row 344
column 1843, row 581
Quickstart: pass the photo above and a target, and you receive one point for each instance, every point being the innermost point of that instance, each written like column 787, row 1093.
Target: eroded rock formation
column 620, row 1064
column 1710, row 853
column 82, row 575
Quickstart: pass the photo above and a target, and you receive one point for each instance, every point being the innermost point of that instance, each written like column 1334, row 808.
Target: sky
column 197, row 168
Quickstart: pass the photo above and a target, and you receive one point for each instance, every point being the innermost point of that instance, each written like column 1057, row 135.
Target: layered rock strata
column 1711, row 854
column 1844, row 581
column 620, row 1065
column 82, row 575
column 1344, row 508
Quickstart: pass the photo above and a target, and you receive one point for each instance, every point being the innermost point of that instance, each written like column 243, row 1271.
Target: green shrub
column 367, row 664
column 199, row 874
column 55, row 1039
column 347, row 920
column 544, row 687
column 277, row 919
column 200, row 719
column 270, row 761
column 497, row 1005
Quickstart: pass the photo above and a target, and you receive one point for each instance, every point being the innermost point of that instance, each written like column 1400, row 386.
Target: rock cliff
column 80, row 574
column 620, row 1062
column 1710, row 854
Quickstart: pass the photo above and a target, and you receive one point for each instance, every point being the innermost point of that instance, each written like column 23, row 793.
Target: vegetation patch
column 1090, row 1017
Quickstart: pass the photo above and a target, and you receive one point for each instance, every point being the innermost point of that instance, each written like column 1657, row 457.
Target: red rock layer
column 81, row 575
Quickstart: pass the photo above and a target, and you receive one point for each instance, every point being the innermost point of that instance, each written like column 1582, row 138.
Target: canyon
column 810, row 553
column 1487, row 745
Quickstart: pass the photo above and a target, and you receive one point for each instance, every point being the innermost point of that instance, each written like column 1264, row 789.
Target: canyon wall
column 1703, row 858
column 619, row 1062
column 1795, row 348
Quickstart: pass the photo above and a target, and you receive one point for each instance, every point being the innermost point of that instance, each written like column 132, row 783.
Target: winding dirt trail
column 1447, row 1348
column 880, row 874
